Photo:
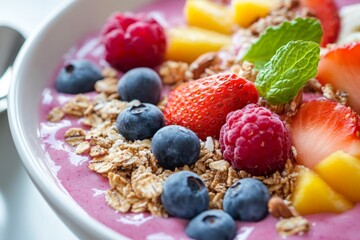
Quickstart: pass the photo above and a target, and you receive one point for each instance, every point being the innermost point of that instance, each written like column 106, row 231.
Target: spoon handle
column 4, row 89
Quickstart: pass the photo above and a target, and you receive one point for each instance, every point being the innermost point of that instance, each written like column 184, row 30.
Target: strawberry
column 327, row 12
column 322, row 127
column 202, row 105
column 341, row 68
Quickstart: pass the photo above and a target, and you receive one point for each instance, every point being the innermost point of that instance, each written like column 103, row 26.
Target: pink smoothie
column 87, row 188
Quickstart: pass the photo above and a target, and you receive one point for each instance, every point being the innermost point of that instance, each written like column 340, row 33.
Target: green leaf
column 306, row 29
column 288, row 71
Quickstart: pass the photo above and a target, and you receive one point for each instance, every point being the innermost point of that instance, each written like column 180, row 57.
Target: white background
column 23, row 212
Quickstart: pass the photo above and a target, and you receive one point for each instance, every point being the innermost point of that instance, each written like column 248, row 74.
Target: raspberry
column 255, row 140
column 133, row 40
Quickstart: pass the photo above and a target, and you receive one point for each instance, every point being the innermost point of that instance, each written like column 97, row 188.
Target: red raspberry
column 133, row 40
column 255, row 140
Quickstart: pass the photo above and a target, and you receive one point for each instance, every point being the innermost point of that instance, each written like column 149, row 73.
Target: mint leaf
column 288, row 71
column 307, row 29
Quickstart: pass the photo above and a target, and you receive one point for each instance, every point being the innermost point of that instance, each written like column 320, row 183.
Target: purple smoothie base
column 87, row 188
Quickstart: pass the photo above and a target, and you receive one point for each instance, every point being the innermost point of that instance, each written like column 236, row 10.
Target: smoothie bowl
column 98, row 152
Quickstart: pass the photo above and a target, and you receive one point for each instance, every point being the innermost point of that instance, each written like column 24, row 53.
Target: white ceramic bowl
column 33, row 69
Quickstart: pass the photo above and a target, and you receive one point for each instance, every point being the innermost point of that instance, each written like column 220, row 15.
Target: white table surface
column 24, row 214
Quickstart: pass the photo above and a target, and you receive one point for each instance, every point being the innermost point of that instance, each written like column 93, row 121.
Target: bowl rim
column 56, row 198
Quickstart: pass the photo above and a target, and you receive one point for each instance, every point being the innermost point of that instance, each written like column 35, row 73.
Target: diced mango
column 313, row 195
column 342, row 172
column 188, row 43
column 208, row 15
column 246, row 12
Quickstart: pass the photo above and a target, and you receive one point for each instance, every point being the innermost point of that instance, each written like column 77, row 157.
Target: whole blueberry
column 143, row 84
column 175, row 146
column 212, row 224
column 140, row 121
column 78, row 76
column 184, row 195
column 247, row 200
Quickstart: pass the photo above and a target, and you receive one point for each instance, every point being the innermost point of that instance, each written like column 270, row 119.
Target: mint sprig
column 288, row 71
column 306, row 29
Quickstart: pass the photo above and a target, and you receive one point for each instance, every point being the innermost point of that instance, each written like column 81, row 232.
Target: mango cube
column 208, row 15
column 342, row 172
column 313, row 195
column 246, row 12
column 188, row 43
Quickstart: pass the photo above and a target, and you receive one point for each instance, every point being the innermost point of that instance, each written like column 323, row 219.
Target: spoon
column 10, row 43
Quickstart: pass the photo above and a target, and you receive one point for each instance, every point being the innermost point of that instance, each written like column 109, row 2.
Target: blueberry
column 184, row 195
column 78, row 76
column 212, row 224
column 143, row 84
column 247, row 200
column 175, row 146
column 140, row 121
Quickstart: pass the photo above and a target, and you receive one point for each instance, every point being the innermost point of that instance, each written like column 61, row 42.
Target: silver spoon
column 10, row 43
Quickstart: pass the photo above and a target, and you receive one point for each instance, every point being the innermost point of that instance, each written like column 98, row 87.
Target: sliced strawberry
column 202, row 105
column 322, row 127
column 341, row 68
column 327, row 12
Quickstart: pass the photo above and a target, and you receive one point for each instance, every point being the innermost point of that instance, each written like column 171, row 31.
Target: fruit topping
column 246, row 12
column 313, row 195
column 255, row 140
column 342, row 172
column 184, row 195
column 78, row 76
column 340, row 67
column 322, row 127
column 143, row 84
column 175, row 146
column 208, row 15
column 212, row 224
column 188, row 43
column 133, row 40
column 327, row 12
column 247, row 200
column 140, row 121
column 202, row 105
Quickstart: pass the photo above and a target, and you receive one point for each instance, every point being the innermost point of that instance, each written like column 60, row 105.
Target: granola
column 134, row 175
column 279, row 209
column 293, row 226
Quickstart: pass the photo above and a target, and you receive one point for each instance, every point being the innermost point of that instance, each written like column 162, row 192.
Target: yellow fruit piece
column 313, row 195
column 188, row 43
column 342, row 172
column 208, row 15
column 246, row 12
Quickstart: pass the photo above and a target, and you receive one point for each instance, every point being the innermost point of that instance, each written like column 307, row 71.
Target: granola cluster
column 134, row 175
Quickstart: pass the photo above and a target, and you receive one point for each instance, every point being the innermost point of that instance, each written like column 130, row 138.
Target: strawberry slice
column 322, row 127
column 327, row 12
column 341, row 68
column 202, row 105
